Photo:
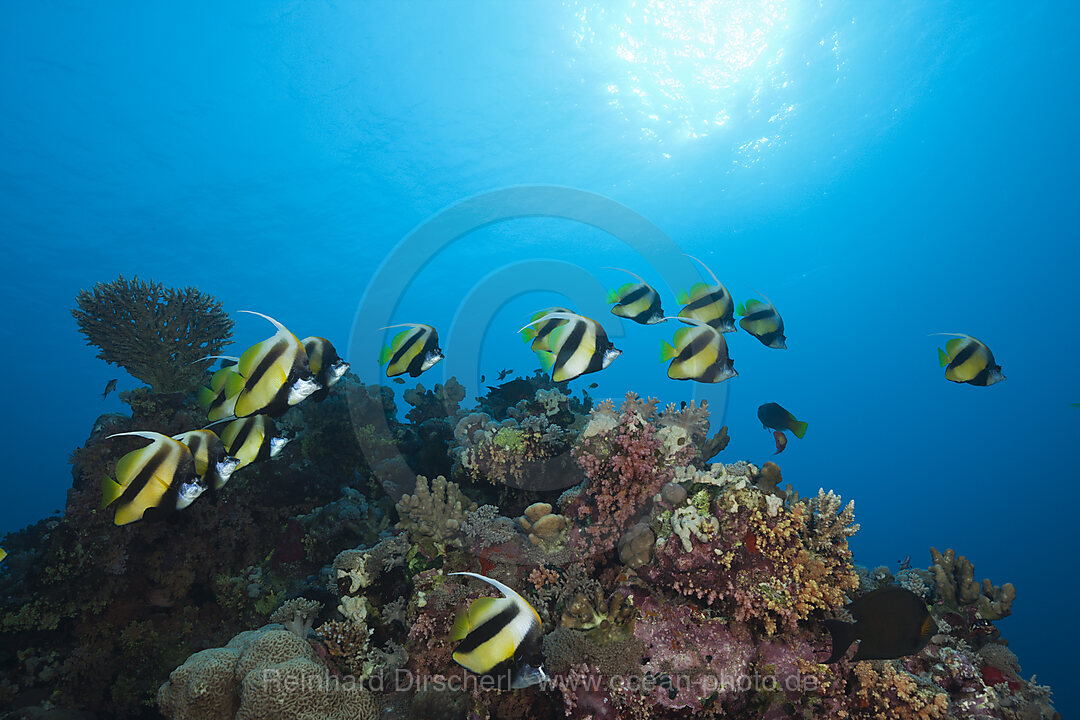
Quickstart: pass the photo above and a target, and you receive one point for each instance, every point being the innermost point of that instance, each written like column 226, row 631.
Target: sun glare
column 685, row 68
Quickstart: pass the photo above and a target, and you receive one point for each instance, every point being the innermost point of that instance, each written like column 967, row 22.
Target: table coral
column 153, row 332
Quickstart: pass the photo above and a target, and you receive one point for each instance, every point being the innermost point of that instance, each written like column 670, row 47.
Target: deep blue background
column 919, row 176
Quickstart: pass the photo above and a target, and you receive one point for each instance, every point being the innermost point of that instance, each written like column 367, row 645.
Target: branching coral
column 760, row 567
column 828, row 523
column 626, row 462
column 956, row 587
column 154, row 333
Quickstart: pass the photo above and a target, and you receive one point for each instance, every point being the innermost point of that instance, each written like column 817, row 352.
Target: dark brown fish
column 504, row 373
column 890, row 623
column 399, row 381
column 109, row 387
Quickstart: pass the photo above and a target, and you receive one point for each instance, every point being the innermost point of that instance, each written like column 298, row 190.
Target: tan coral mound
column 265, row 674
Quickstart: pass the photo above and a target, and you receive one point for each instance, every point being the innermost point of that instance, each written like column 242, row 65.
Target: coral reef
column 153, row 332
column 666, row 588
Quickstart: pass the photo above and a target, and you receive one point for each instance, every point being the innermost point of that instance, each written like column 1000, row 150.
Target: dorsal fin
column 639, row 278
column 707, row 268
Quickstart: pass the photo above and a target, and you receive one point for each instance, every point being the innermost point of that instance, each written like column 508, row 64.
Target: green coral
column 153, row 332
column 509, row 439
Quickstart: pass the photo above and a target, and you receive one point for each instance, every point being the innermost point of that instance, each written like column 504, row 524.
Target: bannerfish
column 3, row 554
column 412, row 351
column 276, row 374
column 252, row 438
column 774, row 417
column 213, row 465
column 967, row 360
column 109, row 387
column 636, row 301
column 890, row 623
column 537, row 332
column 761, row 320
column 500, row 637
column 324, row 361
column 710, row 304
column 698, row 352
column 781, row 441
column 160, row 475
column 219, row 400
column 578, row 347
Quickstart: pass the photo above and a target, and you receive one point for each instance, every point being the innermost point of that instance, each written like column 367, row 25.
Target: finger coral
column 153, row 332
column 434, row 513
column 957, row 588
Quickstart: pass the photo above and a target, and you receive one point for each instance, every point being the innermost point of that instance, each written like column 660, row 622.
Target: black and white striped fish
column 761, row 320
column 160, row 475
column 276, row 374
column 698, row 352
column 636, row 301
column 967, row 360
column 412, row 351
column 500, row 638
column 578, row 347
column 710, row 304
column 213, row 465
column 252, row 438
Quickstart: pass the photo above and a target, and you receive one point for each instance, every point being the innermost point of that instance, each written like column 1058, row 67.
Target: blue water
column 880, row 171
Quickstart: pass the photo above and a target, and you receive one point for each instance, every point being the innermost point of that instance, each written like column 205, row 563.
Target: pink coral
column 625, row 466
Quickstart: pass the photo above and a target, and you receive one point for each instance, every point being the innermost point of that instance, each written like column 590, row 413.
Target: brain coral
column 265, row 674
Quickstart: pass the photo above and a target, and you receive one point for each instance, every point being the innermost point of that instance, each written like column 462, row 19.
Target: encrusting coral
column 153, row 332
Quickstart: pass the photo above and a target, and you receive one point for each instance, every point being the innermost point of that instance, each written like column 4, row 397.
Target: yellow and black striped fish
column 578, row 347
column 3, row 554
column 276, row 374
column 636, row 301
column 324, row 361
column 160, row 475
column 219, row 400
column 213, row 465
column 252, row 438
column 500, row 638
column 412, row 351
column 761, row 320
column 698, row 352
column 538, row 332
column 710, row 304
column 968, row 360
